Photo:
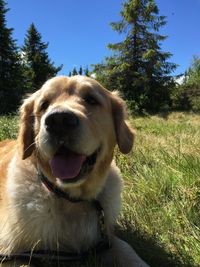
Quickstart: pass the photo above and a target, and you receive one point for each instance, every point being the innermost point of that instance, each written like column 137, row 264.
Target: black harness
column 63, row 256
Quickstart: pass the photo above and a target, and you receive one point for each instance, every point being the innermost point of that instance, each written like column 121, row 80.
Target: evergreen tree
column 193, row 73
column 74, row 71
column 80, row 72
column 86, row 72
column 11, row 74
column 187, row 95
column 138, row 67
column 39, row 67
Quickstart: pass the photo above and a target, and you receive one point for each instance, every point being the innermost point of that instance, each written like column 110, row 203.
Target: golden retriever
column 58, row 181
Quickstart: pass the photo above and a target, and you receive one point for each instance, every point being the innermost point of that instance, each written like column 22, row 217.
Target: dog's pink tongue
column 66, row 165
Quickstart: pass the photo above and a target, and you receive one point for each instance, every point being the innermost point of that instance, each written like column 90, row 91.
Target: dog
column 60, row 188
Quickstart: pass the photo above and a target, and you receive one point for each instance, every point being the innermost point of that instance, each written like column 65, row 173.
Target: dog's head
column 71, row 126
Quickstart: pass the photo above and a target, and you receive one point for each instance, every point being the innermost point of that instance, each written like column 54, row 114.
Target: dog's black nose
column 60, row 123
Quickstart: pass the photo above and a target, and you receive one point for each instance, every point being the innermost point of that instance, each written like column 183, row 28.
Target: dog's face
column 71, row 125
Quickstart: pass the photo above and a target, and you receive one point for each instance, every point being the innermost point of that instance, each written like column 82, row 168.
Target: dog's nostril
column 61, row 122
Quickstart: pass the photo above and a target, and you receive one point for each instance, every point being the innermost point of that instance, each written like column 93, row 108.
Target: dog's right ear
column 26, row 131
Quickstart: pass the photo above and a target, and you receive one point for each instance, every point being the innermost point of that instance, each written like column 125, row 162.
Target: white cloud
column 93, row 75
column 180, row 79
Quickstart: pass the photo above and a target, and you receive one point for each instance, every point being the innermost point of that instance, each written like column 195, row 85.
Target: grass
column 161, row 212
column 160, row 217
column 8, row 127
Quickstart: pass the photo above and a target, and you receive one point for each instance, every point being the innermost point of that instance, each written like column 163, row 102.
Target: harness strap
column 94, row 202
column 56, row 190
column 64, row 256
column 52, row 255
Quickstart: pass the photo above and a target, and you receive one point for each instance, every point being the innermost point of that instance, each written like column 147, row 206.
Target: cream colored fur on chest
column 39, row 219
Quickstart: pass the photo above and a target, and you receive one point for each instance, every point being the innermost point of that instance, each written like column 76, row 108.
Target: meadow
column 160, row 216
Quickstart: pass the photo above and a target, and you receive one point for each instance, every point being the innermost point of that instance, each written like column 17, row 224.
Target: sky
column 78, row 32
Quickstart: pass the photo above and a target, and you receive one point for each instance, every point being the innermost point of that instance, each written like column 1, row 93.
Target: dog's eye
column 91, row 100
column 44, row 105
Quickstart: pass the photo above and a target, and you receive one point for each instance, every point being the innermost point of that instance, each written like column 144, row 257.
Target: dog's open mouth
column 70, row 166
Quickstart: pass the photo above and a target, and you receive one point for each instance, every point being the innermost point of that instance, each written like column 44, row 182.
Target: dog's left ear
column 124, row 134
column 26, row 131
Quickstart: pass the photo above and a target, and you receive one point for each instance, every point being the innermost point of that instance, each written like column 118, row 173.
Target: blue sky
column 78, row 31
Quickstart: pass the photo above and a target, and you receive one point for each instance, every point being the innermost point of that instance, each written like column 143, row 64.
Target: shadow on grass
column 164, row 115
column 150, row 251
column 147, row 248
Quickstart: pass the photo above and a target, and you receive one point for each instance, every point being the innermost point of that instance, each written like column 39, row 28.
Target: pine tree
column 39, row 67
column 11, row 73
column 187, row 95
column 80, row 72
column 86, row 72
column 139, row 68
column 74, row 71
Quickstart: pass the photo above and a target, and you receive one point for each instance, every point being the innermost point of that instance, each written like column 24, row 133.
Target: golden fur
column 33, row 217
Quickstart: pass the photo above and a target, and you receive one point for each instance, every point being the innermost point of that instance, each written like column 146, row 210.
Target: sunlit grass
column 162, row 190
column 8, row 127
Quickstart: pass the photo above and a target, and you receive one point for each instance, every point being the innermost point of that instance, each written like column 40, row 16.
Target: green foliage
column 36, row 62
column 187, row 95
column 21, row 71
column 195, row 102
column 193, row 73
column 79, row 72
column 74, row 71
column 138, row 67
column 11, row 71
column 87, row 72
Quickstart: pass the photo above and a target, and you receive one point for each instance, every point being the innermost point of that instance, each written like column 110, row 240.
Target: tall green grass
column 160, row 217
column 8, row 127
column 162, row 190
